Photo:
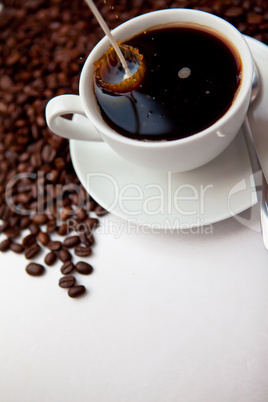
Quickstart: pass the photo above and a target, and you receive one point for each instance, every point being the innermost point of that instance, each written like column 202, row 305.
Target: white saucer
column 209, row 194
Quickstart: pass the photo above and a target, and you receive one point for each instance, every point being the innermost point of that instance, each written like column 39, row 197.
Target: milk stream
column 107, row 32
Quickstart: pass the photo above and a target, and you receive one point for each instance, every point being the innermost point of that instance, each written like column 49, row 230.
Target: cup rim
column 92, row 107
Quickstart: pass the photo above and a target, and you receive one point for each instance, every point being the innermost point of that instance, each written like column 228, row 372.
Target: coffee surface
column 190, row 82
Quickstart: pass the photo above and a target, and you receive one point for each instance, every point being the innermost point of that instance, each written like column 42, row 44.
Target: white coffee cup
column 176, row 155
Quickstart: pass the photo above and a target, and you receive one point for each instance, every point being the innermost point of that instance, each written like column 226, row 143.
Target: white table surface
column 167, row 317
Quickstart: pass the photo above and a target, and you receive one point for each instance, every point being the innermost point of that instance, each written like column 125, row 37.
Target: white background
column 167, row 317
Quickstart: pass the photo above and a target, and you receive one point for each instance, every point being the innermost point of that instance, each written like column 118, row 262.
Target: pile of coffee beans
column 43, row 45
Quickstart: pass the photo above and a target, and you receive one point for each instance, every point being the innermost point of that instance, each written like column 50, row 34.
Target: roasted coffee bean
column 100, row 211
column 48, row 153
column 4, row 245
column 43, row 238
column 39, row 219
column 86, row 238
column 50, row 258
column 16, row 247
column 233, row 12
column 25, row 222
column 80, row 214
column 63, row 230
column 51, row 226
column 4, row 212
column 32, row 251
column 12, row 233
column 90, row 205
column 59, row 163
column 35, row 269
column 54, row 245
column 76, row 291
column 254, row 18
column 64, row 255
column 67, row 267
column 83, row 268
column 67, row 281
column 53, row 176
column 71, row 241
column 36, row 160
column 29, row 240
column 91, row 223
column 66, row 212
column 14, row 221
column 4, row 226
column 34, row 228
column 82, row 251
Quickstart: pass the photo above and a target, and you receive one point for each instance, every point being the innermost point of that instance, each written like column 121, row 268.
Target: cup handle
column 79, row 128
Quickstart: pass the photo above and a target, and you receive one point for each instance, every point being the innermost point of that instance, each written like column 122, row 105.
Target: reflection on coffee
column 191, row 80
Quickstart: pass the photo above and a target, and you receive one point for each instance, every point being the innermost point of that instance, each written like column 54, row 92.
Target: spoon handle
column 264, row 211
column 256, row 167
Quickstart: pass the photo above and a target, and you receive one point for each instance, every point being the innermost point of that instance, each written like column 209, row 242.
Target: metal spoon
column 255, row 163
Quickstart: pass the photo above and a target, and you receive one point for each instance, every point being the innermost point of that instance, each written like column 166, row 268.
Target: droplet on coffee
column 110, row 74
column 184, row 72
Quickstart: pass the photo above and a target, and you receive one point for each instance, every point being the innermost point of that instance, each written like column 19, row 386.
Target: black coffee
column 190, row 82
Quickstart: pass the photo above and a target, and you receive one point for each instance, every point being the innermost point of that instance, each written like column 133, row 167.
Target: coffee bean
column 80, row 214
column 233, row 12
column 35, row 269
column 67, row 281
column 23, row 198
column 48, row 153
column 16, row 247
column 51, row 226
column 91, row 223
column 14, row 221
column 4, row 227
column 254, row 18
column 39, row 219
column 12, row 233
column 67, row 268
column 34, row 228
column 59, row 163
column 36, row 160
column 29, row 240
column 53, row 175
column 71, row 241
column 82, row 251
column 64, row 255
column 86, row 238
column 4, row 212
column 76, row 291
column 84, row 268
column 54, row 245
column 32, row 251
column 4, row 245
column 63, row 230
column 83, row 239
column 50, row 258
column 43, row 238
column 100, row 211
column 66, row 212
